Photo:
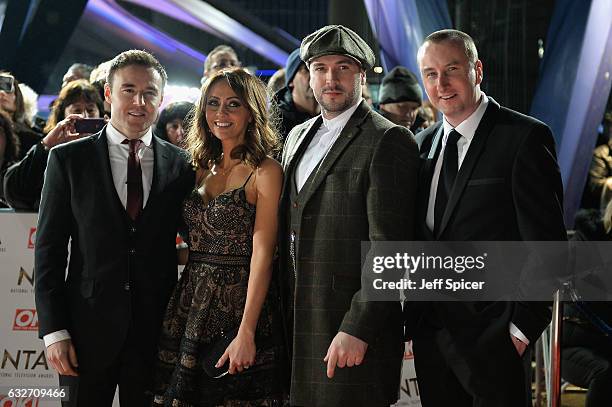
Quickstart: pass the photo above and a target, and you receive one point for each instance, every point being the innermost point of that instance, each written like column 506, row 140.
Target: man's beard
column 341, row 105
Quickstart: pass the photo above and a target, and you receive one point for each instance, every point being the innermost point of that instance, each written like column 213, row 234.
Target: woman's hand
column 241, row 352
column 63, row 132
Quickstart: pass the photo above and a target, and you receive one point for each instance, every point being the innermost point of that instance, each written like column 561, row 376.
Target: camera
column 89, row 126
column 7, row 84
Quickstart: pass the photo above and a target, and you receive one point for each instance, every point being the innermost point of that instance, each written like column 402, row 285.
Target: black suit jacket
column 507, row 189
column 121, row 272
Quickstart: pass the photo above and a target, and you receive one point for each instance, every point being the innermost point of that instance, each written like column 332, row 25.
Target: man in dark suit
column 115, row 197
column 350, row 176
column 489, row 174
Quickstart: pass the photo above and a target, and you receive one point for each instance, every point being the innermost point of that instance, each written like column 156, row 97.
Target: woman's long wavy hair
column 73, row 92
column 261, row 139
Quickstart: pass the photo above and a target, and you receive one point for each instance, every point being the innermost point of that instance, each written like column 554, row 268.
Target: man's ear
column 107, row 93
column 363, row 78
column 479, row 72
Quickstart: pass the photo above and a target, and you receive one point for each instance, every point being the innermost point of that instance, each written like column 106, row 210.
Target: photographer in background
column 9, row 149
column 77, row 100
column 12, row 102
column 9, row 145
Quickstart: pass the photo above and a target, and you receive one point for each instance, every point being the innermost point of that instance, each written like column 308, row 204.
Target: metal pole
column 539, row 373
column 554, row 393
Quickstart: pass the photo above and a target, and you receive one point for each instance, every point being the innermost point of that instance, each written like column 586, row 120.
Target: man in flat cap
column 400, row 97
column 350, row 176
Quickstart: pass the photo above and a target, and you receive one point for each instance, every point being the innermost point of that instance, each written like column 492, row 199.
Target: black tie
column 448, row 173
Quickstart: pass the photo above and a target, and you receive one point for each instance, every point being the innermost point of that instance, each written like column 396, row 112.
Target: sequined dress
column 209, row 298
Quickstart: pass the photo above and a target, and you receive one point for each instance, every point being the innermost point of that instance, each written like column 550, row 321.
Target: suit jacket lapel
column 349, row 132
column 105, row 174
column 161, row 165
column 471, row 158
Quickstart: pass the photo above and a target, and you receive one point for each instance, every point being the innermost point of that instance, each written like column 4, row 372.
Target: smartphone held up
column 89, row 126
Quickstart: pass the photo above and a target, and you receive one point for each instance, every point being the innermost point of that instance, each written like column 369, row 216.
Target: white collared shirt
column 321, row 143
column 467, row 129
column 118, row 156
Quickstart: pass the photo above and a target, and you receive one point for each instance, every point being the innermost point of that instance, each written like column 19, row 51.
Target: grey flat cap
column 337, row 40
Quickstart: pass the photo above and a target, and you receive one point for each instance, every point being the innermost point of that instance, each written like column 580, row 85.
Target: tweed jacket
column 363, row 190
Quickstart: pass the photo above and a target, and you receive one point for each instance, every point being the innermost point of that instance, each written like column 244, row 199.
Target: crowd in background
column 25, row 137
column 25, row 141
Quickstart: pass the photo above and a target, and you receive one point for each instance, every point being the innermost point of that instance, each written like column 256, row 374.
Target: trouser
column 95, row 387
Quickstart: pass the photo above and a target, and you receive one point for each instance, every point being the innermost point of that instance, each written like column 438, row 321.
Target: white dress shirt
column 321, row 143
column 467, row 129
column 118, row 157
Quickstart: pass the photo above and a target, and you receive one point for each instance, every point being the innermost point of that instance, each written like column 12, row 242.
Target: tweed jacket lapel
column 429, row 163
column 295, row 150
column 348, row 134
column 426, row 175
column 297, row 147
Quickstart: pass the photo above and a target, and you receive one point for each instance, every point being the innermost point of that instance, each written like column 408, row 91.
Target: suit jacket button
column 132, row 251
column 295, row 204
column 133, row 229
column 126, row 286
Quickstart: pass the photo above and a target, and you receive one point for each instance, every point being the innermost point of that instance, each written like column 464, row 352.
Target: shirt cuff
column 517, row 332
column 56, row 336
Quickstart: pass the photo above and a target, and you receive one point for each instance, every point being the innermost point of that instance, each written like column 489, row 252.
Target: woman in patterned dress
column 232, row 224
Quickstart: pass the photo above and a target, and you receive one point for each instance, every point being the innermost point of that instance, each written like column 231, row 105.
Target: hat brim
column 362, row 64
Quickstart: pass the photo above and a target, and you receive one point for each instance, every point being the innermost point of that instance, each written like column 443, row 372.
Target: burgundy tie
column 134, row 180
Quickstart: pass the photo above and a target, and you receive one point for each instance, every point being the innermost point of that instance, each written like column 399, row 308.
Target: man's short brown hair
column 459, row 37
column 135, row 57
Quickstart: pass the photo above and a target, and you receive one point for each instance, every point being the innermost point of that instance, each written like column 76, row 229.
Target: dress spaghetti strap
column 247, row 180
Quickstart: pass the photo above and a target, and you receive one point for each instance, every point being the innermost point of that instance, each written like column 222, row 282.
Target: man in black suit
column 115, row 196
column 488, row 174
